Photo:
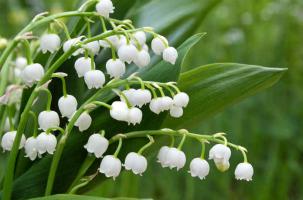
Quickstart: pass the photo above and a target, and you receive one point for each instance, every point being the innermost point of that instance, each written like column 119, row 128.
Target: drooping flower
column 83, row 65
column 137, row 97
column 92, row 47
column 162, row 156
column 136, row 163
column 110, row 166
column 105, row 7
column 175, row 158
column 166, row 103
column 21, row 63
column 181, row 99
column 140, row 37
column 72, row 42
column 170, row 55
column 199, row 168
column 46, row 142
column 94, row 79
column 67, row 105
column 156, row 105
column 114, row 40
column 97, row 144
column 48, row 119
column 244, row 171
column 50, row 42
column 119, row 111
column 134, row 116
column 128, row 53
column 142, row 59
column 83, row 122
column 32, row 74
column 158, row 44
column 221, row 155
column 176, row 111
column 115, row 68
column 31, row 148
column 8, row 141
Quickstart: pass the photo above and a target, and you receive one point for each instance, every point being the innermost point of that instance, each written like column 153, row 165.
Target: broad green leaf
column 80, row 197
column 214, row 87
column 32, row 182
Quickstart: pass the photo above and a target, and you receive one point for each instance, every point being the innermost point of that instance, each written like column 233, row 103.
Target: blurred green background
column 263, row 32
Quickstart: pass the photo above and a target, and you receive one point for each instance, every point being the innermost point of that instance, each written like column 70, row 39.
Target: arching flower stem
column 151, row 142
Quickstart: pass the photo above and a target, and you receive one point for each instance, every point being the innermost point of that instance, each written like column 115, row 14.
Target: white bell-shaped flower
column 72, row 42
column 119, row 111
column 127, row 53
column 131, row 95
column 83, row 122
column 67, row 105
column 158, row 44
column 114, row 40
column 21, row 63
column 142, row 59
column 176, row 111
column 115, row 68
column 50, row 42
column 32, row 74
column 92, row 47
column 97, row 144
column 244, row 171
column 140, row 37
column 48, row 119
column 166, row 103
column 181, row 99
column 136, row 163
column 162, row 156
column 143, row 97
column 221, row 155
column 110, row 166
column 199, row 168
column 122, row 41
column 46, row 143
column 175, row 158
column 105, row 7
column 94, row 79
column 134, row 116
column 83, row 65
column 156, row 105
column 8, row 141
column 170, row 55
column 31, row 148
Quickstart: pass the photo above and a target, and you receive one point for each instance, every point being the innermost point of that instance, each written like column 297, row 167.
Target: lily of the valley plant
column 116, row 85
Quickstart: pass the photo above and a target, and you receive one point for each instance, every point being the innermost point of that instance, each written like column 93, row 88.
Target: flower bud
column 158, row 44
column 142, row 59
column 162, row 156
column 199, row 168
column 70, row 43
column 32, row 74
column 115, row 68
column 31, row 148
column 170, row 55
column 21, row 63
column 176, row 111
column 48, row 119
column 175, row 158
column 136, row 163
column 110, row 166
column 83, row 65
column 134, row 116
column 119, row 111
column 50, row 42
column 92, row 47
column 105, row 7
column 221, row 155
column 97, row 144
column 127, row 53
column 67, row 105
column 8, row 141
column 244, row 171
column 181, row 99
column 83, row 122
column 94, row 79
column 46, row 143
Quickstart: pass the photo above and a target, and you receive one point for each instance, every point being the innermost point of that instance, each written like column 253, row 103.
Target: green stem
column 99, row 103
column 92, row 62
column 118, row 148
column 203, row 150
column 182, row 142
column 62, row 131
column 49, row 98
column 151, row 141
column 103, row 24
column 11, row 46
column 28, row 53
column 3, row 113
column 63, row 84
column 35, row 120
